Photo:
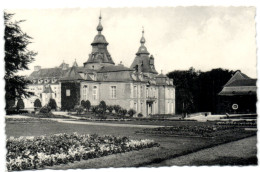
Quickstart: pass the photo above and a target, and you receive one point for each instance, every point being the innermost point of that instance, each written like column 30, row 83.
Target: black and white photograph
column 128, row 87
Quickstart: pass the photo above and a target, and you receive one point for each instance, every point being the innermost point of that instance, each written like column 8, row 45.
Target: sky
column 177, row 37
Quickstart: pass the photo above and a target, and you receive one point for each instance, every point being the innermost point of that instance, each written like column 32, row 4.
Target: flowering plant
column 25, row 153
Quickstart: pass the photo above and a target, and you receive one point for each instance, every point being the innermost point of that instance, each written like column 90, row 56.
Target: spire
column 142, row 41
column 75, row 64
column 100, row 27
column 142, row 49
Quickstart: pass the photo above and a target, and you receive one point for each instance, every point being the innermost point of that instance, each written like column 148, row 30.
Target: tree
column 131, row 112
column 20, row 105
column 117, row 108
column 37, row 104
column 103, row 106
column 52, row 104
column 110, row 108
column 88, row 105
column 17, row 57
column 197, row 91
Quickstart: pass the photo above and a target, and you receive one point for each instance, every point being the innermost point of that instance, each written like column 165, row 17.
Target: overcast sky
column 178, row 37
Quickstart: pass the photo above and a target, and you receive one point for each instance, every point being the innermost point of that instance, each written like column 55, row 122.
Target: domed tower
column 142, row 62
column 99, row 56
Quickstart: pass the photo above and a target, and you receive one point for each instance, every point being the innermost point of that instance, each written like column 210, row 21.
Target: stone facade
column 138, row 87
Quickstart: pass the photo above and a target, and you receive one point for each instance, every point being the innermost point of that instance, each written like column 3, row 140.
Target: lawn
column 170, row 147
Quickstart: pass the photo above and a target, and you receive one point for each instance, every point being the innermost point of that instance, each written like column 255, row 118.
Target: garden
column 25, row 153
column 208, row 131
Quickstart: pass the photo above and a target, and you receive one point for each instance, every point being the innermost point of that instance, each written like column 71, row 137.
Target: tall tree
column 197, row 91
column 17, row 58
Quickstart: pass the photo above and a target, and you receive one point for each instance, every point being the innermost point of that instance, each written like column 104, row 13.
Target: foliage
column 197, row 91
column 37, row 103
column 45, row 109
column 117, row 108
column 131, row 112
column 94, row 109
column 110, row 108
column 140, row 115
column 79, row 109
column 17, row 58
column 20, row 104
column 123, row 112
column 202, row 131
column 83, row 103
column 52, row 104
column 26, row 153
column 86, row 104
column 102, row 106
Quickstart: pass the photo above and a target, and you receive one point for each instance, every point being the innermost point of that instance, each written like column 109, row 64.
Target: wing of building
column 239, row 90
column 138, row 87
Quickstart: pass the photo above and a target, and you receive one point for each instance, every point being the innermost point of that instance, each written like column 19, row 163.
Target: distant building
column 239, row 92
column 138, row 87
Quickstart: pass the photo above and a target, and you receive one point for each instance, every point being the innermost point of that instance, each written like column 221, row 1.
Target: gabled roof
column 237, row 76
column 239, row 84
column 48, row 73
column 72, row 75
column 47, row 89
column 242, row 82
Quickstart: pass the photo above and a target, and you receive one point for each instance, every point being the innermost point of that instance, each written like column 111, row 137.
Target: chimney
column 37, row 68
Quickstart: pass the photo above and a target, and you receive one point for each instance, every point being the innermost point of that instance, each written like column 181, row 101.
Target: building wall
column 70, row 95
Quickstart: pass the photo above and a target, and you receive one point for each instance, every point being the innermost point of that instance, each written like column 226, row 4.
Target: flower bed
column 25, row 153
column 239, row 123
column 195, row 131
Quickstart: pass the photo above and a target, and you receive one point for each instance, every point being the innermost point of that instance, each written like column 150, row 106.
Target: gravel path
column 107, row 124
column 238, row 150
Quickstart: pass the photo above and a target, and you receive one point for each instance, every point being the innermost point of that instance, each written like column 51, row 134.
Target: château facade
column 138, row 87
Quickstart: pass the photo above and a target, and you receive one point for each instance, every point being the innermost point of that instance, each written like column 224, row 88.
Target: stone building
column 239, row 91
column 139, row 87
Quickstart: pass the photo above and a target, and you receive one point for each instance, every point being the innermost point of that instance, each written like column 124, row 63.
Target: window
column 85, row 87
column 95, row 92
column 135, row 91
column 141, row 91
column 147, row 93
column 135, row 106
column 113, row 92
column 67, row 93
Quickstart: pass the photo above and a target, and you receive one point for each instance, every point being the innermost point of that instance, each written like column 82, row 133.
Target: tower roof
column 99, row 52
column 142, row 49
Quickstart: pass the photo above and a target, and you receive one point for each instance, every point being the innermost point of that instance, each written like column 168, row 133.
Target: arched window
column 95, row 93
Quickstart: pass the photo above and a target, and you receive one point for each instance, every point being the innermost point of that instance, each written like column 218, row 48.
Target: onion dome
column 99, row 38
column 142, row 41
column 142, row 49
column 99, row 27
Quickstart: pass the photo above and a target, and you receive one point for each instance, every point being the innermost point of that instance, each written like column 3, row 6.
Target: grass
column 170, row 147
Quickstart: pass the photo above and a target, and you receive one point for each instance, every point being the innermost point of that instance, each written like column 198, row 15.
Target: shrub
column 123, row 112
column 94, row 109
column 140, row 115
column 37, row 104
column 110, row 108
column 83, row 103
column 131, row 112
column 88, row 105
column 52, row 104
column 20, row 104
column 117, row 108
column 103, row 107
column 45, row 109
column 79, row 109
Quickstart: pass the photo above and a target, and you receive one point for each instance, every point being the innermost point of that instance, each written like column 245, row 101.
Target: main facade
column 138, row 87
